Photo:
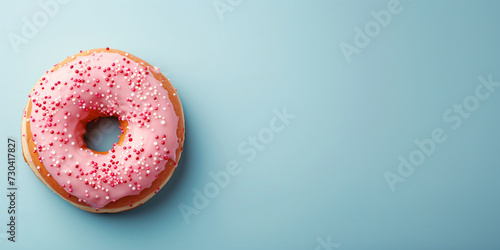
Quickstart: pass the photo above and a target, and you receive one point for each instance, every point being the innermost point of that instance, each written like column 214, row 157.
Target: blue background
column 321, row 179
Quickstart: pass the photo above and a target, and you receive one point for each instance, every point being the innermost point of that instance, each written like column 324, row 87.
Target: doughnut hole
column 102, row 133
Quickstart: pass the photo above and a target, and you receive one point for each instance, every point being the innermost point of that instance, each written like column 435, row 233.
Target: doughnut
column 87, row 86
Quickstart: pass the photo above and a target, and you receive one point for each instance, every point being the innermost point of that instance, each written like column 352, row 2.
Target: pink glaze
column 115, row 86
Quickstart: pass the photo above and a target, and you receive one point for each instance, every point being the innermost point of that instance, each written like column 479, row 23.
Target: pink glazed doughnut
column 102, row 83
